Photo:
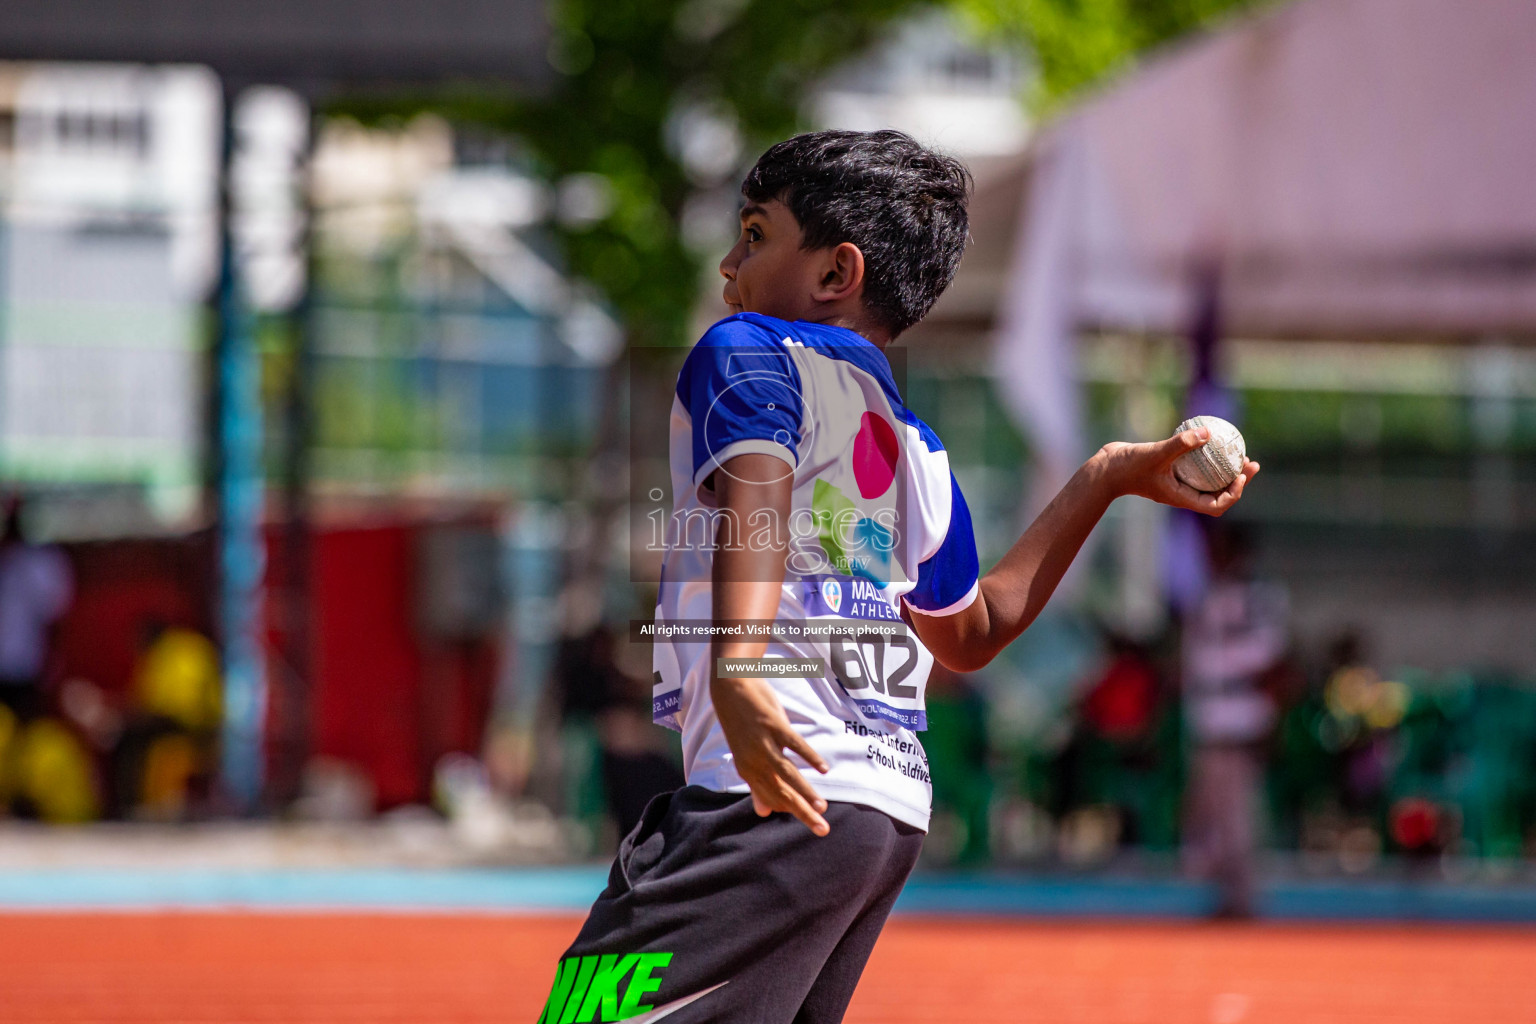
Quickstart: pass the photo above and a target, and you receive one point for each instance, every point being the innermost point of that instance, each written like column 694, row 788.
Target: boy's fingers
column 802, row 809
column 799, row 798
column 1235, row 488
column 1183, row 441
column 803, row 788
column 794, row 741
column 1217, row 502
column 771, row 797
column 1225, row 499
column 788, row 791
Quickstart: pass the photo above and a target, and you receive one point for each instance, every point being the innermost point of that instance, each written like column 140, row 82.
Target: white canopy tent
column 1353, row 168
column 1344, row 170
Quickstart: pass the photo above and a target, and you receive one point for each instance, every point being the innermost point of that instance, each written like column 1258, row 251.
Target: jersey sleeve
column 949, row 579
column 741, row 390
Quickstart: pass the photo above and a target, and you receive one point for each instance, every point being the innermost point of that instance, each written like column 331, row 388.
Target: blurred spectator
column 594, row 687
column 1121, row 704
column 1233, row 638
column 1117, row 759
column 165, row 758
column 45, row 772
column 36, row 587
column 1365, row 711
column 52, row 773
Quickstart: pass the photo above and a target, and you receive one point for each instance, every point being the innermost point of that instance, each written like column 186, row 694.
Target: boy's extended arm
column 1017, row 588
column 754, row 493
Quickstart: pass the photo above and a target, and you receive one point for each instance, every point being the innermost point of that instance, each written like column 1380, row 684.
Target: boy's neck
column 872, row 332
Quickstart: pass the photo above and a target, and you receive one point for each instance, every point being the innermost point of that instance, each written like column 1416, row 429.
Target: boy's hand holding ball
column 1215, row 464
column 1203, row 467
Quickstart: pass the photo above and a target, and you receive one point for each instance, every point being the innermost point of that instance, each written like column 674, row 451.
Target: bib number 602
column 864, row 661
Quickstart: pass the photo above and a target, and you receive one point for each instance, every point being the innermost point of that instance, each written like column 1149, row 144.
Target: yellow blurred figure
column 54, row 774
column 170, row 765
column 178, row 678
column 10, row 747
column 167, row 751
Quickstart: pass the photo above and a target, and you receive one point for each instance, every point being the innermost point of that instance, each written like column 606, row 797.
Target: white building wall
column 110, row 249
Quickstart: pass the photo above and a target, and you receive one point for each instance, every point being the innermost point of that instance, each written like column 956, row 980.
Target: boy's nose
column 731, row 261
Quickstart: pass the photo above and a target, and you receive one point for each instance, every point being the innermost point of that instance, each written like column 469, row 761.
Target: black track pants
column 715, row 914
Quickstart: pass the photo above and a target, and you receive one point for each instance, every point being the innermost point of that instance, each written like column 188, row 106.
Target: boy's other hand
column 1147, row 470
column 759, row 732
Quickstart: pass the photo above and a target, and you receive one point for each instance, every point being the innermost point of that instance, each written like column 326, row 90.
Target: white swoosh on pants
column 667, row 1009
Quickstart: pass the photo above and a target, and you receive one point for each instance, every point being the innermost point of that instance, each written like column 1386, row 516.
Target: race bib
column 854, row 629
column 883, row 668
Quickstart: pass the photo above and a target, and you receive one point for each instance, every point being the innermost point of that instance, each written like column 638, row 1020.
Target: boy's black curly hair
column 902, row 204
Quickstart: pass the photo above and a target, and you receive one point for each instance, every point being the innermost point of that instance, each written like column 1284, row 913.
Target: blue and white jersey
column 877, row 521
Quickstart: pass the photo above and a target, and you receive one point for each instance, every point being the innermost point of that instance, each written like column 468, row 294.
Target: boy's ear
column 842, row 273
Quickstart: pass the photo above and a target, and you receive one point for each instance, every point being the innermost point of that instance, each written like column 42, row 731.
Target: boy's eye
column 753, row 235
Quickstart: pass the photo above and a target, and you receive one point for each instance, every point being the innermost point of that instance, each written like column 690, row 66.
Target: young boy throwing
column 820, row 558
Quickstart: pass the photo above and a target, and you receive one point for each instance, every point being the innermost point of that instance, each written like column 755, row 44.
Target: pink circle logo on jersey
column 874, row 456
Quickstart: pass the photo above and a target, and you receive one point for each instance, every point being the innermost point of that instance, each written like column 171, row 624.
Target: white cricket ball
column 1215, row 464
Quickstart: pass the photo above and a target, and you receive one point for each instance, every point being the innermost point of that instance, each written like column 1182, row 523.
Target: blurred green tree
column 638, row 78
column 641, row 87
column 1079, row 43
column 635, row 79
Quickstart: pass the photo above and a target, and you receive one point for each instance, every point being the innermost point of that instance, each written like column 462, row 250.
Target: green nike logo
column 586, row 988
column 669, row 1009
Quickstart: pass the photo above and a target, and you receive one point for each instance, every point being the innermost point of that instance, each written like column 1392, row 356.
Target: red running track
column 300, row 968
